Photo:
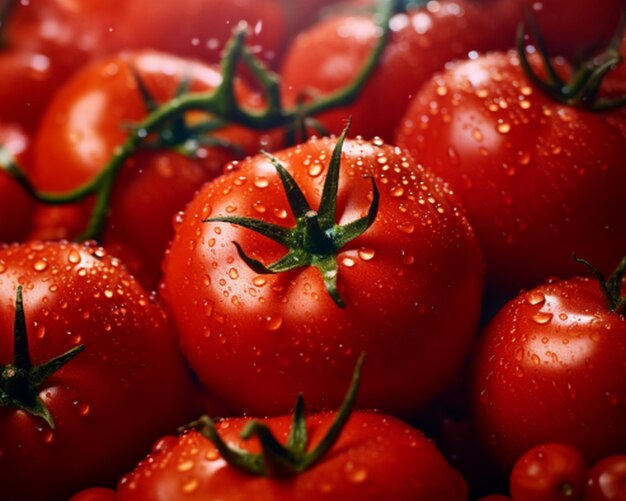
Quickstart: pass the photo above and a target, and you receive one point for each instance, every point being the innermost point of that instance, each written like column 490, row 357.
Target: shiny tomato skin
column 606, row 480
column 549, row 472
column 376, row 457
column 537, row 178
column 201, row 28
column 16, row 206
column 550, row 368
column 400, row 280
column 126, row 388
column 84, row 124
column 329, row 55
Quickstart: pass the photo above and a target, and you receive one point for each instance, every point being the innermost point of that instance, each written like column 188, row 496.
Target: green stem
column 222, row 103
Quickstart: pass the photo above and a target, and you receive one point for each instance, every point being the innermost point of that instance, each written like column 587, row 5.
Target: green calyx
column 276, row 459
column 316, row 239
column 583, row 89
column 20, row 380
column 611, row 286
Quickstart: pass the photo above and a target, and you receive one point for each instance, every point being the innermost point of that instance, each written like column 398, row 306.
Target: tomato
column 256, row 340
column 16, row 206
column 567, row 32
column 108, row 403
column 329, row 55
column 201, row 28
column 375, row 457
column 89, row 118
column 95, row 494
column 606, row 481
column 550, row 368
column 536, row 177
column 549, row 472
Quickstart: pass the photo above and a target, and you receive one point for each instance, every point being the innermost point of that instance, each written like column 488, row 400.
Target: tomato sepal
column 276, row 459
column 20, row 380
column 316, row 238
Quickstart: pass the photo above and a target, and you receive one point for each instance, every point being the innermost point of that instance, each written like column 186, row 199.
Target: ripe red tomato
column 375, row 457
column 85, row 123
column 400, row 281
column 606, row 481
column 550, row 368
column 538, row 178
column 549, row 472
column 16, row 206
column 330, row 54
column 110, row 401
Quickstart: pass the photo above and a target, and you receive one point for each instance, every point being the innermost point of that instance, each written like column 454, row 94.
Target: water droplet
column 186, row 466
column 348, row 262
column 233, row 273
column 407, row 228
column 535, row 298
column 503, row 127
column 212, row 455
column 526, row 91
column 476, row 134
column 398, row 191
column 190, row 486
column 261, row 182
column 259, row 281
column 535, row 359
column 542, row 318
column 519, row 354
column 315, row 169
column 3, row 266
column 40, row 265
column 272, row 322
column 482, row 93
column 442, row 90
column 84, row 409
column 74, row 257
column 366, row 254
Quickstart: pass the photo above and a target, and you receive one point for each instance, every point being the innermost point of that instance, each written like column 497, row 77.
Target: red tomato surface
column 201, row 28
column 89, row 118
column 329, row 55
column 550, row 368
column 376, row 457
column 549, row 472
column 606, row 481
column 538, row 179
column 112, row 400
column 412, row 285
column 16, row 207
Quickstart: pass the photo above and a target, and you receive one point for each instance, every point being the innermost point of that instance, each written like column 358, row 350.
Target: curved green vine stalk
column 220, row 102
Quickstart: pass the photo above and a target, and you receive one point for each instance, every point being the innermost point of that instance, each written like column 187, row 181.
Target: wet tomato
column 549, row 472
column 90, row 117
column 536, row 177
column 375, row 457
column 606, row 481
column 109, row 402
column 550, row 368
column 329, row 55
column 257, row 340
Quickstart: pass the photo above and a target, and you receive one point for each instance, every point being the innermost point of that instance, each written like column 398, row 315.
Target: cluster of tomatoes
column 227, row 208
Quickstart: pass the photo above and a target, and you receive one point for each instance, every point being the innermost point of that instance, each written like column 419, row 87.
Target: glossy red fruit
column 606, row 481
column 128, row 386
column 536, row 177
column 411, row 285
column 550, row 368
column 89, row 118
column 16, row 206
column 330, row 54
column 375, row 457
column 549, row 472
